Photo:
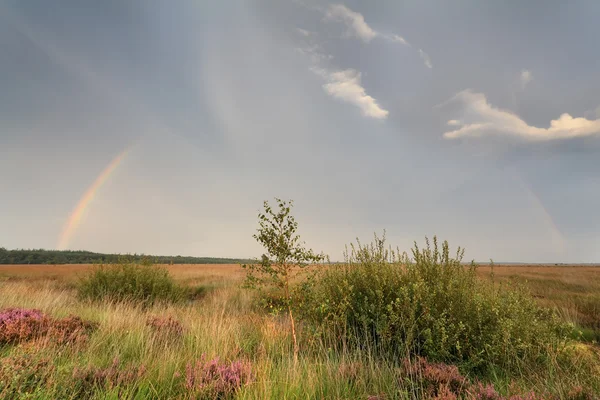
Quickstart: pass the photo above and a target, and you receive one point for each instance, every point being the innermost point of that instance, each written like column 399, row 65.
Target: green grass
column 225, row 322
column 128, row 282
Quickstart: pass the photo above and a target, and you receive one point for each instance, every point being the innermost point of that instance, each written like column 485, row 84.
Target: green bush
column 431, row 305
column 130, row 282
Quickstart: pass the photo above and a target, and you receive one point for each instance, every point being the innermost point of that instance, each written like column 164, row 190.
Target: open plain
column 225, row 325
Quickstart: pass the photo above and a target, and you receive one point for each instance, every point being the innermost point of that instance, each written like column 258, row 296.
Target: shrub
column 19, row 324
column 427, row 380
column 142, row 284
column 431, row 306
column 165, row 327
column 23, row 375
column 215, row 379
column 69, row 330
column 433, row 379
column 89, row 380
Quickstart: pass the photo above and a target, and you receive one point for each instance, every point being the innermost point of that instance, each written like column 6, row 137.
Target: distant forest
column 87, row 257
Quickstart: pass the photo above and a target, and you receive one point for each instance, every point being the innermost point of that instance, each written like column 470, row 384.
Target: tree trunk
column 292, row 322
column 293, row 334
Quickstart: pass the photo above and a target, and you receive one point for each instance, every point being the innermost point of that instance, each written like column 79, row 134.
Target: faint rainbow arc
column 77, row 214
column 557, row 237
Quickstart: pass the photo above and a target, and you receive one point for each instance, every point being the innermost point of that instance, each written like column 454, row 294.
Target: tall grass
column 130, row 282
column 130, row 341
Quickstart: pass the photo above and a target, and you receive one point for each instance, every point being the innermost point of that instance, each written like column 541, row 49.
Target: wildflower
column 19, row 324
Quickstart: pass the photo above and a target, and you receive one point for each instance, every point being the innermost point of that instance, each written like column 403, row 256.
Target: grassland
column 226, row 323
column 574, row 290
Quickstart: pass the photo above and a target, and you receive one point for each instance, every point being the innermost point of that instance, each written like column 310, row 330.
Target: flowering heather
column 165, row 326
column 19, row 324
column 91, row 379
column 445, row 382
column 480, row 391
column 435, row 379
column 215, row 378
column 23, row 374
column 579, row 393
column 70, row 330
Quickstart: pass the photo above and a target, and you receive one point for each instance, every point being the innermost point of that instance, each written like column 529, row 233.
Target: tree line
column 41, row 256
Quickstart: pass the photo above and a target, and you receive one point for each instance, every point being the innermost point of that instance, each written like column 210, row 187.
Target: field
column 224, row 322
column 573, row 289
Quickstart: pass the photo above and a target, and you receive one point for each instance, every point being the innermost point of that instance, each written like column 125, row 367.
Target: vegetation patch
column 19, row 324
column 70, row 330
column 431, row 306
column 129, row 282
column 91, row 380
column 214, row 379
column 165, row 327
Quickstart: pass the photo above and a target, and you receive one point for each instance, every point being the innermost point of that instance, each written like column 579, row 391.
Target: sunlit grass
column 226, row 323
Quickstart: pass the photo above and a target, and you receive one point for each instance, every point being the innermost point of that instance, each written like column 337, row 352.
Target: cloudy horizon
column 147, row 127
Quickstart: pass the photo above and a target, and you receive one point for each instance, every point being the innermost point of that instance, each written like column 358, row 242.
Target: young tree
column 285, row 257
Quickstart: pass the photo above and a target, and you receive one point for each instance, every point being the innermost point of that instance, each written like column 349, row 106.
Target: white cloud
column 356, row 25
column 526, row 77
column 341, row 84
column 355, row 22
column 426, row 59
column 454, row 122
column 481, row 119
column 398, row 39
column 346, row 86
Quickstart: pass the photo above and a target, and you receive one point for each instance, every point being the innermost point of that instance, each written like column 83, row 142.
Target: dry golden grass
column 188, row 273
column 572, row 289
column 226, row 324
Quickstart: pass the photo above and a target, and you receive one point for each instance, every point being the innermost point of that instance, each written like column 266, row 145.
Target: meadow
column 222, row 343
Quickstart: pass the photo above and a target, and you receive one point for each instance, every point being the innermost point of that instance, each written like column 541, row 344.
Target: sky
column 145, row 126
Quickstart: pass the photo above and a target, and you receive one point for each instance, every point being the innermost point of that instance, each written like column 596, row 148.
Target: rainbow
column 557, row 238
column 83, row 204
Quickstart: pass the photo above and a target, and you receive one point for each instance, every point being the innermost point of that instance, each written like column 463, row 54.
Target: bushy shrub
column 19, row 324
column 431, row 305
column 90, row 380
column 215, row 379
column 129, row 282
column 69, row 330
column 427, row 380
column 23, row 375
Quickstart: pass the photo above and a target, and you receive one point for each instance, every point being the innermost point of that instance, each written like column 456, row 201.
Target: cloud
column 454, row 122
column 526, row 77
column 355, row 22
column 346, row 86
column 426, row 59
column 481, row 119
column 315, row 53
column 398, row 38
column 356, row 25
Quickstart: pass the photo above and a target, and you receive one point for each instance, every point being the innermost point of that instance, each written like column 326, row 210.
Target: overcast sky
column 477, row 121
